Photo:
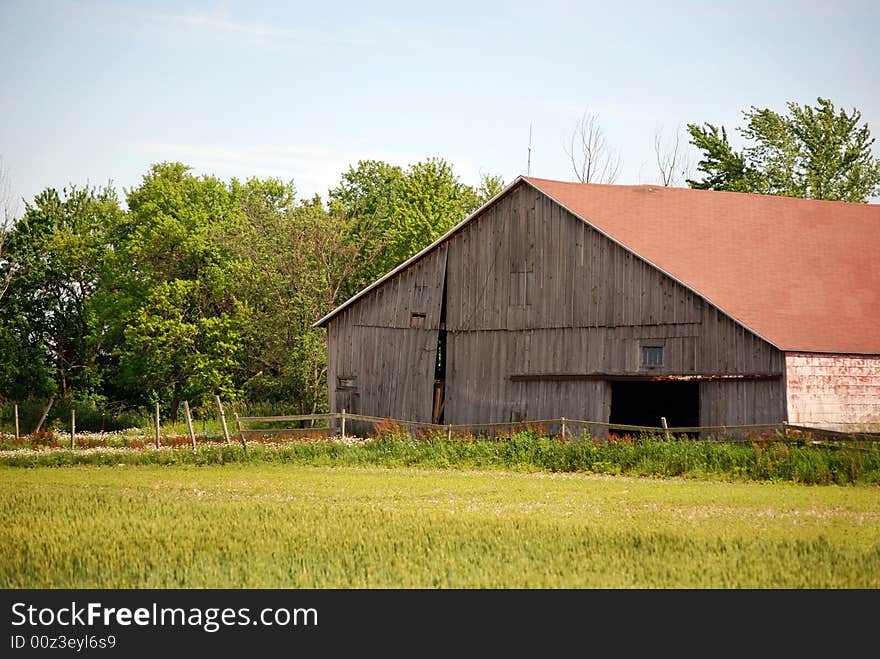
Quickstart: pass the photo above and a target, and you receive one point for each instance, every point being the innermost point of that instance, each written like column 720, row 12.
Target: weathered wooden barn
column 624, row 304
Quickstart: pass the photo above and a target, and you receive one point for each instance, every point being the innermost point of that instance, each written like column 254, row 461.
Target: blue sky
column 96, row 91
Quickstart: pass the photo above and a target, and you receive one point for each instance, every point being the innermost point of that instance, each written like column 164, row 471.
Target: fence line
column 727, row 433
column 511, row 426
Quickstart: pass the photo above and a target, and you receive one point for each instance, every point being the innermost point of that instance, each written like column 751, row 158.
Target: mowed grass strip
column 286, row 526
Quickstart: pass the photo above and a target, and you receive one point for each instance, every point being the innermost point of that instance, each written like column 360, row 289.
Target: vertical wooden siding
column 531, row 289
column 388, row 353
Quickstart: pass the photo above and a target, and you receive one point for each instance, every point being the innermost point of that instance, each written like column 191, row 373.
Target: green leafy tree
column 490, row 185
column 173, row 313
column 52, row 338
column 293, row 260
column 812, row 152
column 183, row 353
column 430, row 201
column 202, row 286
column 369, row 195
column 392, row 213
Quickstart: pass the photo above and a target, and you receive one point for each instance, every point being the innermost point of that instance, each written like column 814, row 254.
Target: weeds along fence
column 350, row 427
column 347, row 425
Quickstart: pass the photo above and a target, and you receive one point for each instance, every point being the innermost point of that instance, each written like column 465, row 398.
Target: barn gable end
column 537, row 314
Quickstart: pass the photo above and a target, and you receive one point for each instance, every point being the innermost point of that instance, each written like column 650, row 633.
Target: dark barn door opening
column 439, row 401
column 642, row 403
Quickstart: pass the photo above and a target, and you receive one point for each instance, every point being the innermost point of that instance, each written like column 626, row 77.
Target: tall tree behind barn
column 624, row 303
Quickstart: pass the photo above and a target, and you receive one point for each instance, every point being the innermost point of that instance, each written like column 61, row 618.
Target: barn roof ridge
column 819, row 287
column 537, row 182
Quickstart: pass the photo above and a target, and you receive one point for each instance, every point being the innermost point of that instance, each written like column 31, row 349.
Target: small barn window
column 346, row 382
column 417, row 319
column 521, row 289
column 652, row 355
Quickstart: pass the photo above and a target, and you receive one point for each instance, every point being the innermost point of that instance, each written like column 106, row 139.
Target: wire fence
column 350, row 426
column 346, row 424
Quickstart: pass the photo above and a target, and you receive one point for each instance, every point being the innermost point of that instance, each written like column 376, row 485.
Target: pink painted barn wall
column 833, row 391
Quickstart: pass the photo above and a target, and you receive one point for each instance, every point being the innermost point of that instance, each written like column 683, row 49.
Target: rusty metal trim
column 669, row 377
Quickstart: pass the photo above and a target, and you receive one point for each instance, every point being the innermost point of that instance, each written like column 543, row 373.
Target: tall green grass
column 287, row 526
column 647, row 456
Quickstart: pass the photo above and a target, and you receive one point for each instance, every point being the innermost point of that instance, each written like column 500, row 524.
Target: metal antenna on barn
column 529, row 160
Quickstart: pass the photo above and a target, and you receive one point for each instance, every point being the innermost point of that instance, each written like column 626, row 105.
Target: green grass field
column 293, row 526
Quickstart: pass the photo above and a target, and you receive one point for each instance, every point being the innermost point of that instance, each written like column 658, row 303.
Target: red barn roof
column 802, row 274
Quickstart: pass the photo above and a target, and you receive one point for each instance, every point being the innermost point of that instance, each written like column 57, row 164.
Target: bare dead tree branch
column 7, row 218
column 592, row 159
column 673, row 163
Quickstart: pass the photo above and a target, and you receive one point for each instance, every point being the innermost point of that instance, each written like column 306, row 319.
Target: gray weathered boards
column 527, row 312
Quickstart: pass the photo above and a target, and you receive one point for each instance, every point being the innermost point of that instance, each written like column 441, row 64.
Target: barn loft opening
column 642, row 403
column 440, row 365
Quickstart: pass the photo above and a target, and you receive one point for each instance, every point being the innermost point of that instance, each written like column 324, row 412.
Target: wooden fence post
column 189, row 424
column 222, row 418
column 665, row 427
column 562, row 420
column 449, row 432
column 72, row 428
column 45, row 414
column 17, row 435
column 343, row 424
column 240, row 432
column 157, row 426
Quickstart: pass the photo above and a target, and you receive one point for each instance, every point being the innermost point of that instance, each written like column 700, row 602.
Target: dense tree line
column 199, row 286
